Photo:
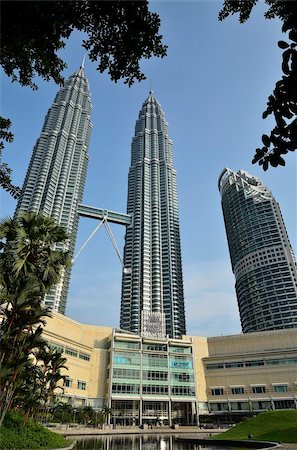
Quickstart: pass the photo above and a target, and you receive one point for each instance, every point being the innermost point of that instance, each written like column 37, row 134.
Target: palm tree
column 50, row 363
column 106, row 410
column 30, row 264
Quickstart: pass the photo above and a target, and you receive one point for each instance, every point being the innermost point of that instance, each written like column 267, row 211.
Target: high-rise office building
column 56, row 175
column 261, row 255
column 152, row 285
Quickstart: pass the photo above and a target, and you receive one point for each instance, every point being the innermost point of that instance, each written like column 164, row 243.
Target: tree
column 106, row 410
column 119, row 35
column 5, row 171
column 29, row 267
column 282, row 103
column 49, row 364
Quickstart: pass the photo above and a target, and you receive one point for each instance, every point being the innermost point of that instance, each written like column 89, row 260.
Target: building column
column 197, row 413
column 140, row 412
column 169, row 412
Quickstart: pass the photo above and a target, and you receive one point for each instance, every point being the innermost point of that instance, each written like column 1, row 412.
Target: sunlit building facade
column 56, row 175
column 261, row 254
column 175, row 381
column 152, row 277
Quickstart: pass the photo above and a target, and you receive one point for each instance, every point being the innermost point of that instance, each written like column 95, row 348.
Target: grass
column 279, row 426
column 15, row 436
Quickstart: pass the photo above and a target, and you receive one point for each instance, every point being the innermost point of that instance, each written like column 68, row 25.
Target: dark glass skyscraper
column 56, row 175
column 152, row 278
column 261, row 255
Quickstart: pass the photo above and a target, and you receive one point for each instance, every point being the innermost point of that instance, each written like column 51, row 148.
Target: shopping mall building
column 175, row 381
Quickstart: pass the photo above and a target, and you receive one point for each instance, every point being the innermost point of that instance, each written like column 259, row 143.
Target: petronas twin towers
column 56, row 176
column 152, row 248
column 152, row 301
column 152, row 279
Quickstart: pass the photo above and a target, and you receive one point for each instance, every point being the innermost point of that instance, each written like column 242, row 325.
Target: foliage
column 282, row 103
column 64, row 413
column 15, row 436
column 29, row 267
column 119, row 34
column 5, row 171
column 41, row 382
column 270, row 425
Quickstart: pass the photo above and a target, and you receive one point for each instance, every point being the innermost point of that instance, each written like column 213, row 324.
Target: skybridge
column 99, row 213
column 104, row 216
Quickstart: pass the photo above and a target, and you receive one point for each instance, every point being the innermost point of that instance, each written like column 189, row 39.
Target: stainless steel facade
column 152, row 278
column 261, row 255
column 56, row 175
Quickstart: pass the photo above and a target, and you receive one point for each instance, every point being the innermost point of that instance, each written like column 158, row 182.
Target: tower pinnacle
column 82, row 66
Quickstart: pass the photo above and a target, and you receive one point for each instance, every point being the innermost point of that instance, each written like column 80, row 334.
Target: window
column 125, row 389
column 127, row 359
column 154, row 375
column 183, row 390
column 147, row 389
column 81, row 385
column 56, row 346
column 154, row 360
column 237, row 390
column 179, row 363
column 84, row 356
column 132, row 374
column 291, row 360
column 185, row 350
column 127, row 345
column 215, row 366
column 67, row 382
column 71, row 352
column 280, row 388
column 217, row 391
column 155, row 347
column 259, row 389
column 259, row 362
column 232, row 365
column 275, row 362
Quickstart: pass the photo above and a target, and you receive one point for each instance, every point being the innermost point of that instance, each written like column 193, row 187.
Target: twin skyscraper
column 152, row 284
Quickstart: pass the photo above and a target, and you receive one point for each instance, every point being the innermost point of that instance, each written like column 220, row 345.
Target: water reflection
column 138, row 442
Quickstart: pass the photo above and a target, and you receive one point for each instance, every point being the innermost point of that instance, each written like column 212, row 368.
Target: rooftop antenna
column 83, row 61
column 151, row 91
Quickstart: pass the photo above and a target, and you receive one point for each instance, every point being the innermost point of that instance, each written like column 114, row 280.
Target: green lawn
column 268, row 426
column 15, row 436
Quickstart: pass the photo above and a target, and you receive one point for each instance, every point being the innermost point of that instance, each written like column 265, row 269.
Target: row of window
column 127, row 359
column 134, row 374
column 70, row 351
column 259, row 389
column 68, row 382
column 253, row 405
column 184, row 391
column 252, row 363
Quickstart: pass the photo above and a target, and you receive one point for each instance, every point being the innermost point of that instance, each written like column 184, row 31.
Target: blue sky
column 213, row 87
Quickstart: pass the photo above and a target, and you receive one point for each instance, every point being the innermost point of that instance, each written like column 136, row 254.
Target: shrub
column 14, row 435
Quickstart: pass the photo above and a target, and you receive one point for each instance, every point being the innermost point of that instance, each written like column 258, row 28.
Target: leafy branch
column 282, row 103
column 5, row 171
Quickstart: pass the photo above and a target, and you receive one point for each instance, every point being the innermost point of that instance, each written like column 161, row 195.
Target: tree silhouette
column 282, row 103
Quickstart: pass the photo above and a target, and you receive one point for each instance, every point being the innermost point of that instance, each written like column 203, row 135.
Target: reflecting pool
column 140, row 442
